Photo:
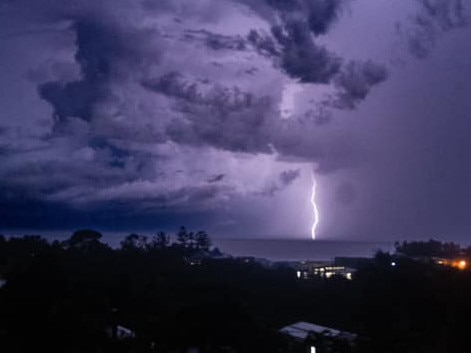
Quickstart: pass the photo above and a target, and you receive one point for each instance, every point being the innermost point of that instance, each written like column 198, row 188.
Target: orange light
column 460, row 264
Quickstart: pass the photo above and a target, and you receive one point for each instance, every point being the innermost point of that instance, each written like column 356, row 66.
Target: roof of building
column 301, row 330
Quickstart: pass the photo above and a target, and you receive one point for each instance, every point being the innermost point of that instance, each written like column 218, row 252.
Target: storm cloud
column 200, row 110
column 135, row 109
column 429, row 22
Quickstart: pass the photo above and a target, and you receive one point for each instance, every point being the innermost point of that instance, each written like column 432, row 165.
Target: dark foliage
column 64, row 297
column 431, row 248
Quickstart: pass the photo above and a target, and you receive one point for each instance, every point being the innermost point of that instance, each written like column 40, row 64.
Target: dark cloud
column 355, row 82
column 222, row 117
column 74, row 99
column 448, row 14
column 146, row 91
column 263, row 43
column 432, row 19
column 290, row 46
column 78, row 98
column 216, row 178
column 302, row 58
column 27, row 213
column 288, row 176
column 285, row 179
column 320, row 14
column 217, row 41
column 104, row 54
column 284, row 5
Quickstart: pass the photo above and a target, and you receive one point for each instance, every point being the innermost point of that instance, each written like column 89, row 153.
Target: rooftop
column 301, row 330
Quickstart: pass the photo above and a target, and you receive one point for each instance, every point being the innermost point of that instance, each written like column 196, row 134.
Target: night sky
column 127, row 115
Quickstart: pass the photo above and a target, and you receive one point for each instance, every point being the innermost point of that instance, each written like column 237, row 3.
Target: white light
column 314, row 208
column 349, row 276
column 298, row 274
column 313, row 349
column 393, row 263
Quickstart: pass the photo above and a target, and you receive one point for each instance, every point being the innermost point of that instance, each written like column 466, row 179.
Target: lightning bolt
column 314, row 207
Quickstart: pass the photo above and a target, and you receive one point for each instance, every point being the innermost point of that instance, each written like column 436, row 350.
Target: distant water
column 299, row 250
column 272, row 249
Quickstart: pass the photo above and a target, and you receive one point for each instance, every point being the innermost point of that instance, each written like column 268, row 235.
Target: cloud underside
column 429, row 22
column 168, row 104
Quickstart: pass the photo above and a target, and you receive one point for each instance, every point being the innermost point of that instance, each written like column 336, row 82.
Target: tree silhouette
column 160, row 241
column 183, row 237
column 202, row 241
column 134, row 242
column 428, row 248
column 84, row 239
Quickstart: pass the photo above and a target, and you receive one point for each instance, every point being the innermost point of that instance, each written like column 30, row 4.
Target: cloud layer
column 151, row 108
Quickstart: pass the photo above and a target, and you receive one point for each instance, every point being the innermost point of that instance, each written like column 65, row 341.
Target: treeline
column 67, row 297
column 431, row 248
column 64, row 296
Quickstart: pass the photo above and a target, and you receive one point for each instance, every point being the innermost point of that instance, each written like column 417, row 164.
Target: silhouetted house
column 332, row 270
column 246, row 259
column 196, row 258
column 317, row 338
column 120, row 332
column 459, row 263
column 301, row 331
column 305, row 269
column 218, row 255
column 310, row 269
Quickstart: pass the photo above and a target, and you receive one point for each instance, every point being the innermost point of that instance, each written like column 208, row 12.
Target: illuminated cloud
column 175, row 107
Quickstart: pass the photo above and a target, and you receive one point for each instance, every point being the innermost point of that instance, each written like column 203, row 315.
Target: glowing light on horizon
column 462, row 265
column 314, row 207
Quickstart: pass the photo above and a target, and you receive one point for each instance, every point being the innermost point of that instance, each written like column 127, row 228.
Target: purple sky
column 144, row 115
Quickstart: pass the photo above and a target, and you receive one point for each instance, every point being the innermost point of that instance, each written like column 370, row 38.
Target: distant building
column 310, row 269
column 331, row 270
column 317, row 338
column 196, row 258
column 459, row 263
column 254, row 260
column 301, row 331
column 120, row 332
